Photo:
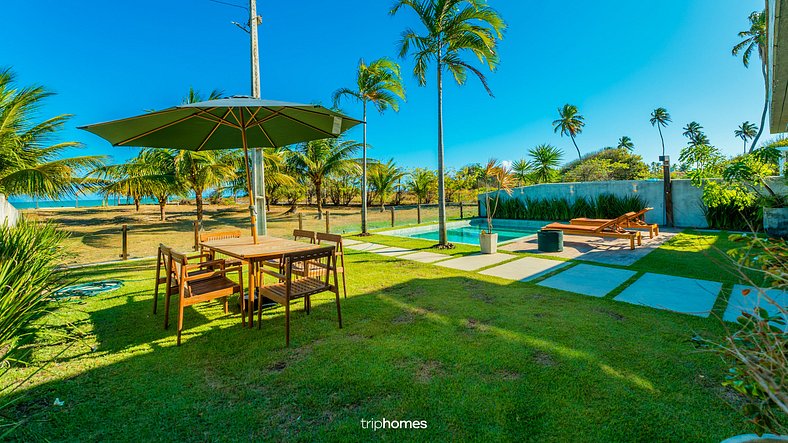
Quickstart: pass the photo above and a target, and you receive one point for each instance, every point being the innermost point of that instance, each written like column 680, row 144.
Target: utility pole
column 258, row 169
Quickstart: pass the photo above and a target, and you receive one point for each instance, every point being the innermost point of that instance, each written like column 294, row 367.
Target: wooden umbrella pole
column 252, row 208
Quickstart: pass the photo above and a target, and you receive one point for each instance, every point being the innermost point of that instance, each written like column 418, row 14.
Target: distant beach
column 86, row 203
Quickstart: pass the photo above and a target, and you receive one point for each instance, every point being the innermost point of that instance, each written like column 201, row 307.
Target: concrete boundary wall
column 687, row 206
column 8, row 213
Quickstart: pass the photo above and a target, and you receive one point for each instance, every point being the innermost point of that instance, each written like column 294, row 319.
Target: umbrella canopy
column 236, row 122
column 218, row 124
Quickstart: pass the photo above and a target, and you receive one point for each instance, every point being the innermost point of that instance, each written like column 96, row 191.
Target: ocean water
column 81, row 203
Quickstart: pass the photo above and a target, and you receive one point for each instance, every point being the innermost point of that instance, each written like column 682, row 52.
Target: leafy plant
column 498, row 177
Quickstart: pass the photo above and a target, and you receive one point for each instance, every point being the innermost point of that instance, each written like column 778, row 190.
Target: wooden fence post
column 196, row 235
column 418, row 213
column 300, row 221
column 328, row 222
column 392, row 216
column 462, row 216
column 124, row 254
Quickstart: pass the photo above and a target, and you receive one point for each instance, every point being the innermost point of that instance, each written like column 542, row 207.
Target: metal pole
column 668, row 189
column 124, row 254
column 258, row 170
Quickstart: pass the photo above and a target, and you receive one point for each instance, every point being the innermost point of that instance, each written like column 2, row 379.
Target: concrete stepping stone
column 349, row 242
column 738, row 302
column 392, row 251
column 365, row 247
column 596, row 281
column 424, row 257
column 525, row 269
column 475, row 261
column 678, row 294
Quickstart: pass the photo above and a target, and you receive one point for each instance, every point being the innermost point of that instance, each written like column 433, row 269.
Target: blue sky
column 615, row 59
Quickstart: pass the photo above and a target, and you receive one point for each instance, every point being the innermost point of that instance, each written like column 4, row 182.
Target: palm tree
column 452, row 28
column 746, row 131
column 383, row 177
column 694, row 132
column 625, row 143
column 756, row 39
column 545, row 161
column 423, row 183
column 521, row 170
column 319, row 159
column 570, row 123
column 29, row 165
column 379, row 84
column 660, row 118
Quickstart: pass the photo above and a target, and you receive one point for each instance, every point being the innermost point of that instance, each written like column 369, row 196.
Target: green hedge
column 730, row 217
column 601, row 206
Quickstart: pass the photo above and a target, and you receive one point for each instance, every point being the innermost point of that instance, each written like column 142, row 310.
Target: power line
column 230, row 4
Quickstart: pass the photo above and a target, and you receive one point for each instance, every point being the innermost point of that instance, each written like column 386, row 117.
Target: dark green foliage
column 731, row 217
column 602, row 206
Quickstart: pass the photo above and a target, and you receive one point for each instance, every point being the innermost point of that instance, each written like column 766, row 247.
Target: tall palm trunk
column 659, row 128
column 162, row 207
column 765, row 104
column 199, row 203
column 442, row 236
column 137, row 203
column 319, row 195
column 578, row 149
column 364, row 175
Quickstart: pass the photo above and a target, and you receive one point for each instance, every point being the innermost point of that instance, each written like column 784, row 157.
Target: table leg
column 248, row 307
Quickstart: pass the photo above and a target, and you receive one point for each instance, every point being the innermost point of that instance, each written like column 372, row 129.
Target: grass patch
column 477, row 358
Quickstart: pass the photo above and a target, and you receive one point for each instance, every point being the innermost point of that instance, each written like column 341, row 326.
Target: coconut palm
column 423, row 183
column 660, row 118
column 756, row 40
column 380, row 85
column 625, row 143
column 319, row 159
column 383, row 178
column 694, row 132
column 545, row 159
column 452, row 28
column 746, row 131
column 521, row 170
column 29, row 164
column 570, row 123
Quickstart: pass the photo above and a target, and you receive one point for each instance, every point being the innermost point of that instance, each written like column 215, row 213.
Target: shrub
column 730, row 207
column 602, row 206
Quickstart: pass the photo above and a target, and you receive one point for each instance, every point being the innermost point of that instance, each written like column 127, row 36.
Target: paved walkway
column 677, row 294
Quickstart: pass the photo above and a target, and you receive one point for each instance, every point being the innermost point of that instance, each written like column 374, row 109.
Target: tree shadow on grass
column 443, row 349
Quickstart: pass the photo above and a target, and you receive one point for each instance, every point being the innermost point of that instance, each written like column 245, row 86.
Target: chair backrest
column 336, row 239
column 615, row 222
column 178, row 261
column 164, row 257
column 299, row 234
column 641, row 214
column 316, row 263
column 220, row 235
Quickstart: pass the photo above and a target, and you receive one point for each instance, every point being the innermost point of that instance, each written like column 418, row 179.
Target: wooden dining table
column 255, row 254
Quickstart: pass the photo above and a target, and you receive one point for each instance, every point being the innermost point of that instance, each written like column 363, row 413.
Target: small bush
column 602, row 206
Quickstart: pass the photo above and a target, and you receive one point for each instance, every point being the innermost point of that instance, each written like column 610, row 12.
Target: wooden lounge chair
column 319, row 265
column 636, row 222
column 609, row 229
column 211, row 284
column 164, row 274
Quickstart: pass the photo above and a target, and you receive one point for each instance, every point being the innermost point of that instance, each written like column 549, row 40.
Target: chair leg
column 156, row 287
column 259, row 312
column 344, row 283
column 287, row 323
column 167, row 308
column 180, row 322
column 640, row 239
column 339, row 309
column 632, row 242
column 226, row 305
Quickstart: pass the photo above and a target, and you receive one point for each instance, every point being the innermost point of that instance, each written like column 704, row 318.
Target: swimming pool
column 468, row 231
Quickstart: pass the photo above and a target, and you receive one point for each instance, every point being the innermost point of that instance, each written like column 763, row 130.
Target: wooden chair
column 208, row 285
column 611, row 229
column 298, row 234
column 163, row 263
column 318, row 265
column 336, row 241
column 221, row 235
column 637, row 222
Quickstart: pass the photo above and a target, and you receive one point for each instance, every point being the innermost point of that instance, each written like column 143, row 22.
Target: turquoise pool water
column 470, row 234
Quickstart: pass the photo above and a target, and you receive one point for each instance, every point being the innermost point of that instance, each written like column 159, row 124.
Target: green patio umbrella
column 228, row 123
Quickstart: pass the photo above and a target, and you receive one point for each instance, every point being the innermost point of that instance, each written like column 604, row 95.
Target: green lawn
column 477, row 357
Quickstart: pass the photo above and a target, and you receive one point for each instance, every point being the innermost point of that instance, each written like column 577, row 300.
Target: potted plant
column 498, row 178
